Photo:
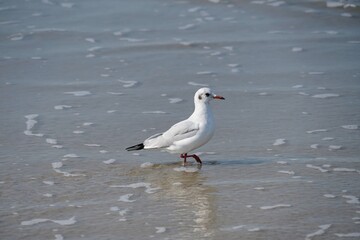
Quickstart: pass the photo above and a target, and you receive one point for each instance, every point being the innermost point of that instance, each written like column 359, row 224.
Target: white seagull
column 189, row 134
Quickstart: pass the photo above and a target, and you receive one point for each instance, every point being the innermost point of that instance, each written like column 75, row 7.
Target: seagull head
column 205, row 95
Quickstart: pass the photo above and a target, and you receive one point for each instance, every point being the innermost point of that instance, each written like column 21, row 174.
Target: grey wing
column 182, row 130
column 154, row 141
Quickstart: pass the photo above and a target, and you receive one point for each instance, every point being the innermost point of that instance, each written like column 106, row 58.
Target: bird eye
column 207, row 94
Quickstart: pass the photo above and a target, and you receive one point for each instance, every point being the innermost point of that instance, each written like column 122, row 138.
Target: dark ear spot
column 199, row 97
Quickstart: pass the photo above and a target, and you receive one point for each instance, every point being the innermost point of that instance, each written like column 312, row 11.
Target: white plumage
column 189, row 134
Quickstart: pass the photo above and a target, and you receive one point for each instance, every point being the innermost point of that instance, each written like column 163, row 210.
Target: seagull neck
column 202, row 110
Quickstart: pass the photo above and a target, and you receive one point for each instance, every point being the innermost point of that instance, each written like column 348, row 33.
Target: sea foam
column 57, row 165
column 62, row 107
column 279, row 142
column 198, row 84
column 58, row 237
column 314, row 146
column 350, row 127
column 346, row 170
column 154, row 112
column 335, row 147
column 160, row 229
column 51, row 141
column 110, row 161
column 71, row 155
column 276, row 206
column 319, row 232
column 30, row 124
column 147, row 186
column 126, row 198
column 316, row 131
column 325, row 95
column 287, row 172
column 349, row 235
column 65, row 222
column 317, row 168
column 185, row 169
column 129, row 83
column 175, row 100
column 67, row 5
column 132, row 40
column 186, row 27
column 351, row 199
column 147, row 165
column 329, row 195
column 79, row 93
column 92, row 145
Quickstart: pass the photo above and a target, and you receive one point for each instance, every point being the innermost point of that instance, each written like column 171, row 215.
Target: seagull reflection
column 188, row 203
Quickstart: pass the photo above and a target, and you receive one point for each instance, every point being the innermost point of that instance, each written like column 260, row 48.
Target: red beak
column 218, row 97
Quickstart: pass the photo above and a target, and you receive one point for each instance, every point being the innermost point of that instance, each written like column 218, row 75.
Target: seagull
column 189, row 134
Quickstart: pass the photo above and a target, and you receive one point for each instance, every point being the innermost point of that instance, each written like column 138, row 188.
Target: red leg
column 184, row 156
column 197, row 159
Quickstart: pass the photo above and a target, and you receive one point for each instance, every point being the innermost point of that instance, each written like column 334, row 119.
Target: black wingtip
column 136, row 147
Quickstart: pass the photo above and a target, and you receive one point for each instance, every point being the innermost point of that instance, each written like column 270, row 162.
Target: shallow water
column 81, row 81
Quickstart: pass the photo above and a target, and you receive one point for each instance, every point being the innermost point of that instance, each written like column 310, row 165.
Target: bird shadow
column 234, row 162
column 224, row 162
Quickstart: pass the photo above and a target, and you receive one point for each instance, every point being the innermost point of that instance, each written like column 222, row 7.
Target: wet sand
column 83, row 80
